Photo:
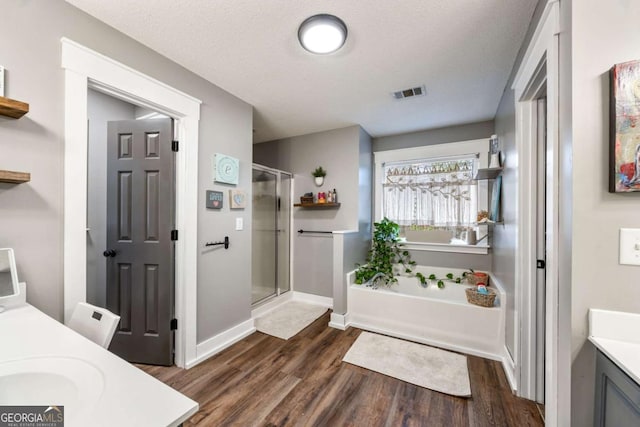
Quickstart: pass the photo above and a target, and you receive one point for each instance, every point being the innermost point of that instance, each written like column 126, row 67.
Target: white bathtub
column 439, row 317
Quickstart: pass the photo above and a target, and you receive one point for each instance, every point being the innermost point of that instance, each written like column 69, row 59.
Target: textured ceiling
column 461, row 50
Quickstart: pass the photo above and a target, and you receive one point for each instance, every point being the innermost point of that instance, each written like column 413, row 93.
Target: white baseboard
column 339, row 321
column 271, row 304
column 313, row 299
column 421, row 340
column 216, row 344
column 291, row 296
column 509, row 367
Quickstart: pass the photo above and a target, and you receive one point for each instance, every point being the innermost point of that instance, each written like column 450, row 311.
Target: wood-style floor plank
column 266, row 381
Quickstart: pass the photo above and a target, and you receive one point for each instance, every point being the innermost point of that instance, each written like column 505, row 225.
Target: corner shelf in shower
column 317, row 205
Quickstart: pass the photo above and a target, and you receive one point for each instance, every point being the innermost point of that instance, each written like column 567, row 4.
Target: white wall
column 604, row 33
column 32, row 214
column 101, row 109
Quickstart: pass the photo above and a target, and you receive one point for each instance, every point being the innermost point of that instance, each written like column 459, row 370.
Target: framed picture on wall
column 237, row 199
column 624, row 128
column 226, row 169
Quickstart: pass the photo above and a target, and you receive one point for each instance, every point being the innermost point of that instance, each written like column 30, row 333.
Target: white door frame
column 84, row 69
column 543, row 50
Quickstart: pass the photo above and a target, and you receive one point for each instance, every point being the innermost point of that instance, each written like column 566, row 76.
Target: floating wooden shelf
column 12, row 108
column 488, row 173
column 14, row 177
column 317, row 205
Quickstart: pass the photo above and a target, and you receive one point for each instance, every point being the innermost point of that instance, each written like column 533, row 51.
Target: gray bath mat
column 289, row 319
column 417, row 364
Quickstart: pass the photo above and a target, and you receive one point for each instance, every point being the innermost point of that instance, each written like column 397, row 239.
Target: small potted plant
column 318, row 175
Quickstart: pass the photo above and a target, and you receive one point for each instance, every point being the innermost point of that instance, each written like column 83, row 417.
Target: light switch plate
column 630, row 246
column 239, row 224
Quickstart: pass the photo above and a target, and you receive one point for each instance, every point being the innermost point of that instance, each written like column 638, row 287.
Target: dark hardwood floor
column 266, row 381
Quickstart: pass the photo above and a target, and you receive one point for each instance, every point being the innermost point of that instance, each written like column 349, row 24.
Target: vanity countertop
column 617, row 335
column 124, row 394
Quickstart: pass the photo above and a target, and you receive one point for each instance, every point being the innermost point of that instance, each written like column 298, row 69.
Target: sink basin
column 61, row 381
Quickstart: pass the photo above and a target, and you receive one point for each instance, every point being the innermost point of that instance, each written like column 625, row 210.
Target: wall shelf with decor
column 494, row 178
column 487, row 173
column 12, row 108
column 317, row 205
column 12, row 177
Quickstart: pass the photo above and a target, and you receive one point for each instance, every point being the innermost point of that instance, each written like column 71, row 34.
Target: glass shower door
column 264, row 232
column 284, row 233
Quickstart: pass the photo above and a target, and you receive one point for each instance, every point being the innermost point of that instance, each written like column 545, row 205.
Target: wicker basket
column 475, row 280
column 306, row 200
column 475, row 297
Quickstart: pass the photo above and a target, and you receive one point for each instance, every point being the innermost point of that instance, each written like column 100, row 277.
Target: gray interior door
column 140, row 266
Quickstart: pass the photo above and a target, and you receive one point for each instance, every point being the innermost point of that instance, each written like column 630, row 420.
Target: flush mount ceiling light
column 322, row 34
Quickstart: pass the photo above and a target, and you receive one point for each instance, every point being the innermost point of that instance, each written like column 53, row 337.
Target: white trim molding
column 272, row 304
column 447, row 247
column 509, row 367
column 276, row 302
column 542, row 50
column 313, row 299
column 217, row 343
column 84, row 69
column 339, row 321
column 367, row 325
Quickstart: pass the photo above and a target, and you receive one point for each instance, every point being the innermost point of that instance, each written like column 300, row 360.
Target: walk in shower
column 270, row 233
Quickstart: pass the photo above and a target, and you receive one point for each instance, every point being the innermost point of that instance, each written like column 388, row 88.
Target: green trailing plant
column 385, row 253
column 319, row 172
column 449, row 277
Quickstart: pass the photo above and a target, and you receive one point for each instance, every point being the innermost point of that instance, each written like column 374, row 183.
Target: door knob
column 109, row 253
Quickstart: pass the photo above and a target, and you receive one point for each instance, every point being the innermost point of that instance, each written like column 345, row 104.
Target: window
column 436, row 192
column 431, row 193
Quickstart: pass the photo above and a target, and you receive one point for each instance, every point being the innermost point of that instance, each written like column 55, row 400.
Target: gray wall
column 32, row 214
column 101, row 109
column 348, row 250
column 346, row 155
column 504, row 236
column 352, row 248
column 565, row 212
column 465, row 132
column 604, row 34
column 365, row 181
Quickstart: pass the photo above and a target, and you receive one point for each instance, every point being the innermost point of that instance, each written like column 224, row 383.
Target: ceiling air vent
column 408, row 93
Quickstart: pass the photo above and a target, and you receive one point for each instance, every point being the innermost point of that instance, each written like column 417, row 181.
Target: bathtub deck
column 265, row 381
